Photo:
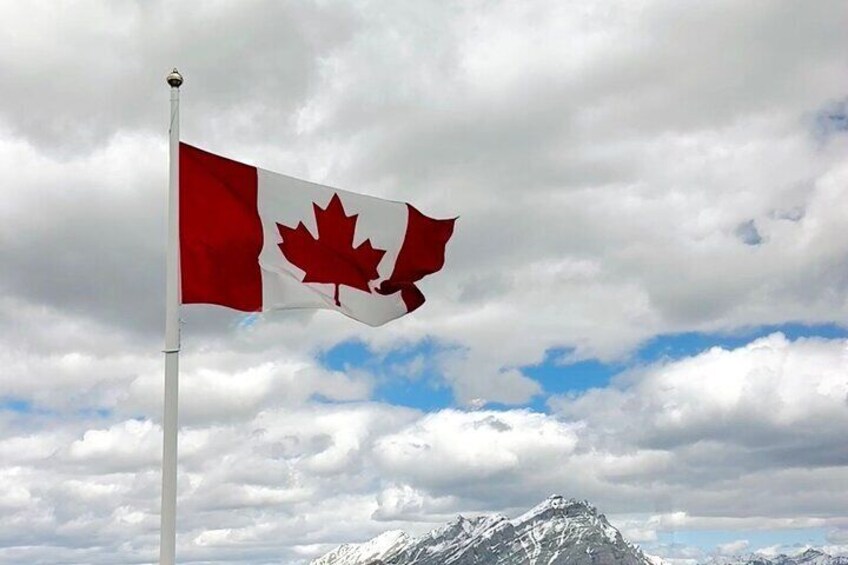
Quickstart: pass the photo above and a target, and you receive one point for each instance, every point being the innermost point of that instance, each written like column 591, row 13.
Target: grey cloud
column 101, row 61
column 384, row 477
column 832, row 119
column 838, row 536
column 743, row 416
column 533, row 153
column 748, row 234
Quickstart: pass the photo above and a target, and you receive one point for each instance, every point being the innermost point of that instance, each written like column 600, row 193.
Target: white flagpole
column 168, row 524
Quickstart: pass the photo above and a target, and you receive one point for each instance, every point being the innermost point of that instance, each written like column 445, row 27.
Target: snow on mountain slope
column 570, row 531
column 808, row 557
column 449, row 543
column 383, row 547
column 556, row 532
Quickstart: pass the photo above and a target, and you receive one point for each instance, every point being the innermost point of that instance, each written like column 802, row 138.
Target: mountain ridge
column 555, row 532
column 810, row 556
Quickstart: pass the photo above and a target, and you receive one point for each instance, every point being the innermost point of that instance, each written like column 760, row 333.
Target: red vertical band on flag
column 220, row 231
column 422, row 253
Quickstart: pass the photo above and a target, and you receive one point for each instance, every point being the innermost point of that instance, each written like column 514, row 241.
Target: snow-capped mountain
column 556, row 532
column 376, row 550
column 809, row 557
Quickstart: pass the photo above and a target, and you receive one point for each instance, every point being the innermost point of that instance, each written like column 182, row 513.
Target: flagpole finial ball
column 174, row 78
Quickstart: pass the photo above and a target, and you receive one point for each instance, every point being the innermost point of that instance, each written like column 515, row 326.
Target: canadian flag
column 254, row 240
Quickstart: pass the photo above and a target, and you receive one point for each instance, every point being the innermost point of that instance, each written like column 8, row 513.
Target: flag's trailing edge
column 254, row 240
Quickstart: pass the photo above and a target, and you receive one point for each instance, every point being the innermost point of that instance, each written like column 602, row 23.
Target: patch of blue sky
column 248, row 321
column 409, row 376
column 347, row 355
column 678, row 346
column 17, row 405
column 26, row 408
column 708, row 540
column 557, row 377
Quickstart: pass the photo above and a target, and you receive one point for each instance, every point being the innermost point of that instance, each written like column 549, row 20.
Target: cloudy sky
column 644, row 303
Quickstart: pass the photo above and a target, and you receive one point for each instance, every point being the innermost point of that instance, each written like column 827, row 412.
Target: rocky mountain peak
column 809, row 555
column 558, row 505
column 575, row 517
column 557, row 531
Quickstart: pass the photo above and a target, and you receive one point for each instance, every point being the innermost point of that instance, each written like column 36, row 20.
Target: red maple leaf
column 331, row 258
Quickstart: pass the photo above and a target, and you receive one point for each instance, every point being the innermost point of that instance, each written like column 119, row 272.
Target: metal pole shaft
column 168, row 524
